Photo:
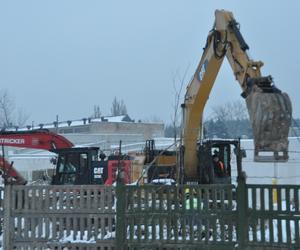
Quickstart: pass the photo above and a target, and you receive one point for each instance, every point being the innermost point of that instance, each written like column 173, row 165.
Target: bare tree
column 7, row 107
column 230, row 119
column 22, row 118
column 97, row 112
column 8, row 115
column 178, row 83
column 235, row 110
column 118, row 107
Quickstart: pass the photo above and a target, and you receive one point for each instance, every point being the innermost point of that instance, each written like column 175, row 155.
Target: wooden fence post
column 242, row 225
column 7, row 220
column 120, row 223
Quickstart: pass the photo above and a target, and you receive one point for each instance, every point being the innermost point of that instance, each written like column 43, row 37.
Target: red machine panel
column 112, row 171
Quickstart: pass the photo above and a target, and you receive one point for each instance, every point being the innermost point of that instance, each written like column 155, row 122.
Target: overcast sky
column 62, row 57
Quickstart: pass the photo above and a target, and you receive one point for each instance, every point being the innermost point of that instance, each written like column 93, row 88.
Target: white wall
column 257, row 173
column 262, row 172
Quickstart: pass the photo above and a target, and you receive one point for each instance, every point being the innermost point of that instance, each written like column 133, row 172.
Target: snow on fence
column 49, row 217
column 212, row 216
column 273, row 215
column 150, row 217
column 181, row 216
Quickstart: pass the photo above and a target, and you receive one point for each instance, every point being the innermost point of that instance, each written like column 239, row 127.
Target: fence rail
column 187, row 216
column 150, row 217
column 273, row 215
column 51, row 216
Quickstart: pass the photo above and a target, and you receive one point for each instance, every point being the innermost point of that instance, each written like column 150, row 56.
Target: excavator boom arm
column 8, row 171
column 195, row 99
column 36, row 139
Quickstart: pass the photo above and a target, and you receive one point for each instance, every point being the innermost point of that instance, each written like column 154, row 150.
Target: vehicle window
column 83, row 161
column 68, row 164
column 61, row 163
column 225, row 157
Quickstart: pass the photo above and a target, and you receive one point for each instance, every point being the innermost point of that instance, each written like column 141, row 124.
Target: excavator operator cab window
column 82, row 162
column 221, row 156
column 74, row 166
column 94, row 156
column 67, row 169
column 71, row 167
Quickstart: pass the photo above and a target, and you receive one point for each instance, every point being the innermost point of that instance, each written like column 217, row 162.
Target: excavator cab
column 81, row 166
column 215, row 159
column 75, row 166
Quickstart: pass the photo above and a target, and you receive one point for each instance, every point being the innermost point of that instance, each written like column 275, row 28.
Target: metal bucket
column 270, row 115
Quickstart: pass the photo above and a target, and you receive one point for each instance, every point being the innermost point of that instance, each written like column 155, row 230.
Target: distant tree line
column 230, row 120
column 295, row 127
column 296, row 122
column 227, row 121
column 228, row 129
column 170, row 131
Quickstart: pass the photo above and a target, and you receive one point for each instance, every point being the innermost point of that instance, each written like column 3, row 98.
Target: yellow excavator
column 269, row 109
